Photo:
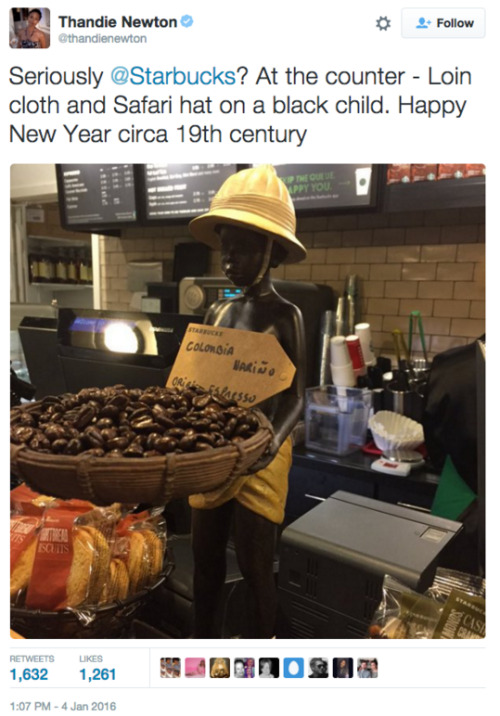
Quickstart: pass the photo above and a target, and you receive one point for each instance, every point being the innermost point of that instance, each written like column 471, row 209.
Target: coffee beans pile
column 121, row 422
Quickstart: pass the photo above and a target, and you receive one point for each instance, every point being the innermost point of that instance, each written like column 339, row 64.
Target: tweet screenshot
column 248, row 356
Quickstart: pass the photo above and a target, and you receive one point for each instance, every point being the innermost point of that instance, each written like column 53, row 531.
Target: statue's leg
column 255, row 538
column 210, row 532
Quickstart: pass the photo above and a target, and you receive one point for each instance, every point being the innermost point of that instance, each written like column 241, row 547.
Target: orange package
column 398, row 173
column 452, row 171
column 424, row 172
column 23, row 534
column 475, row 170
column 71, row 563
column 24, row 501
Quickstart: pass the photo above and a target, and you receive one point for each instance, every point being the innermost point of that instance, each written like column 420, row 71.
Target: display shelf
column 76, row 243
column 431, row 195
column 62, row 286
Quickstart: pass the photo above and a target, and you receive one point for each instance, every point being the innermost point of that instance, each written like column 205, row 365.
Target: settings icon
column 383, row 23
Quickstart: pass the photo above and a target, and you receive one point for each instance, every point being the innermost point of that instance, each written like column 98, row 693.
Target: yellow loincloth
column 264, row 492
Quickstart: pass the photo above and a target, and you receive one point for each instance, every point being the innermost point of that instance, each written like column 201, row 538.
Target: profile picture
column 194, row 667
column 170, row 668
column 318, row 668
column 244, row 668
column 269, row 668
column 29, row 28
column 219, row 668
column 342, row 669
column 367, row 668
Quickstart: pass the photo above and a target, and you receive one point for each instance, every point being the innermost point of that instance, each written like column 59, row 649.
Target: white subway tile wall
column 432, row 261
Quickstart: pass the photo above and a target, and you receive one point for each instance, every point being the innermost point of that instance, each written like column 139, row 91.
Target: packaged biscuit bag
column 24, row 501
column 105, row 519
column 463, row 597
column 403, row 613
column 140, row 544
column 117, row 584
column 448, row 580
column 23, row 539
column 453, row 607
column 70, row 565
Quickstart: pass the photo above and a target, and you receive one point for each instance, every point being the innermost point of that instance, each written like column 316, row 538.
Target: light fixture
column 121, row 337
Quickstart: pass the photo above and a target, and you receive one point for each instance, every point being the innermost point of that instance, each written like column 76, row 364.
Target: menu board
column 182, row 190
column 329, row 186
column 97, row 194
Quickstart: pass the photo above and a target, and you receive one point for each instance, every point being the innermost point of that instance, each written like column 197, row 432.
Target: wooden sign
column 245, row 366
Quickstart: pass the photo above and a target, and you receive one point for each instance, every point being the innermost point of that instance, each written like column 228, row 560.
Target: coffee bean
column 94, row 437
column 119, row 443
column 205, row 438
column 179, row 413
column 165, row 444
column 74, row 447
column 134, row 450
column 118, row 422
column 119, row 401
column 50, row 400
column 201, row 425
column 109, row 434
column 109, row 411
column 94, row 452
column 160, row 415
column 139, row 413
column 39, row 443
column 22, row 434
column 187, row 442
column 176, row 432
column 230, row 427
column 104, row 423
column 151, row 439
column 27, row 419
column 201, row 401
column 224, row 402
column 114, row 453
column 59, row 445
column 84, row 416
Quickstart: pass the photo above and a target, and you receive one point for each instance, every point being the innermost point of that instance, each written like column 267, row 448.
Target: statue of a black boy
column 252, row 221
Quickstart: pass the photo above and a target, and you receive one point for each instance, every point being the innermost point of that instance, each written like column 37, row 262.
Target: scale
column 398, row 462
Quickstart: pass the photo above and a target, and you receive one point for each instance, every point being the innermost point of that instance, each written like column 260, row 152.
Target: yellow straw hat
column 254, row 199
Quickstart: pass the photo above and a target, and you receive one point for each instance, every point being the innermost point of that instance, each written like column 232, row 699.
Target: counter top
column 315, row 476
column 359, row 465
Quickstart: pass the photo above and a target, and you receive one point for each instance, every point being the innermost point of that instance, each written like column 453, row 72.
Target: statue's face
column 242, row 253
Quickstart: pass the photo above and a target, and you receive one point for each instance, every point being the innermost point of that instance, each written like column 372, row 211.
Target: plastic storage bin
column 337, row 418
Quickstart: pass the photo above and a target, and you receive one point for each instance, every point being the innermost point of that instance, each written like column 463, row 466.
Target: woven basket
column 109, row 621
column 154, row 480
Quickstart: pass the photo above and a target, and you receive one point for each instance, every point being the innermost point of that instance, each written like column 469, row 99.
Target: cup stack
column 363, row 332
column 356, row 354
column 341, row 364
column 352, row 357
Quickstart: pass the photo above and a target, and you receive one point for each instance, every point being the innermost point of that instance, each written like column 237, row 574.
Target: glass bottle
column 71, row 267
column 34, row 268
column 61, row 267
